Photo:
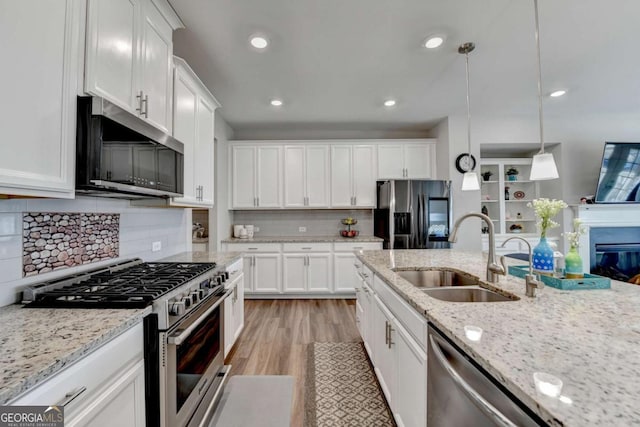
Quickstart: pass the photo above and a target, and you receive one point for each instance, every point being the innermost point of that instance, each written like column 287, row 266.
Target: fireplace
column 615, row 252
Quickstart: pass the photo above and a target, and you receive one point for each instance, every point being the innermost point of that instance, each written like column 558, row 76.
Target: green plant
column 512, row 171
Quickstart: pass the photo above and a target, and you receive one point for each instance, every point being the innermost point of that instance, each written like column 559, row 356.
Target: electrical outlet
column 156, row 246
column 256, row 229
column 302, row 229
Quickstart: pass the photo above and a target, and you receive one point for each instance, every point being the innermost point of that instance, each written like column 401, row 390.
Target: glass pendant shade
column 470, row 181
column 543, row 167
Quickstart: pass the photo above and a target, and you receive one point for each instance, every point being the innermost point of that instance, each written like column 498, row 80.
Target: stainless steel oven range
column 184, row 334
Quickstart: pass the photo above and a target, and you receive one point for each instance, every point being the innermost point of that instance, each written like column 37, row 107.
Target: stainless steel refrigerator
column 413, row 214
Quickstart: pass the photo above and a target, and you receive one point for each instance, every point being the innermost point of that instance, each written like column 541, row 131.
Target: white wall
column 139, row 227
column 220, row 217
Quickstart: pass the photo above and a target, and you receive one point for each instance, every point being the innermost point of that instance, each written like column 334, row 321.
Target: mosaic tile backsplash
column 53, row 241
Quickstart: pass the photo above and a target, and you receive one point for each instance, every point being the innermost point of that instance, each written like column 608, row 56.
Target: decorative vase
column 543, row 257
column 573, row 264
column 512, row 177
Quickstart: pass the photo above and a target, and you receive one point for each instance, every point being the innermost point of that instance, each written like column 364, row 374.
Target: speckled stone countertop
column 223, row 259
column 36, row 343
column 304, row 239
column 590, row 339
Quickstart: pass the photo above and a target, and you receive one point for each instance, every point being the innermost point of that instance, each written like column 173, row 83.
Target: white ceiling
column 333, row 62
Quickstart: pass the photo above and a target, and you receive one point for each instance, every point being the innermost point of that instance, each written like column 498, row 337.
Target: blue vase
column 543, row 257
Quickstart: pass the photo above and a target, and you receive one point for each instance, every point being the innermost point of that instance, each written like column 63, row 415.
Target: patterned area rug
column 341, row 388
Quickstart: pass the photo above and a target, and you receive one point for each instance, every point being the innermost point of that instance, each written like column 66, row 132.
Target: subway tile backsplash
column 139, row 228
column 54, row 241
column 317, row 222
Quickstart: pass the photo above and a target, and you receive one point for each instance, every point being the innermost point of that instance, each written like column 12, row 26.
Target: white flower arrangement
column 546, row 209
column 574, row 236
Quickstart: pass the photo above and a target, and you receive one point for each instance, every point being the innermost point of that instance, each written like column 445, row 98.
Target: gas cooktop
column 131, row 284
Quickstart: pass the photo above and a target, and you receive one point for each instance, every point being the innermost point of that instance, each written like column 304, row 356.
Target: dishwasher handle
column 487, row 408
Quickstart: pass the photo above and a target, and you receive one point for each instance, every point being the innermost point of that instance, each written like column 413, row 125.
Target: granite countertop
column 223, row 259
column 303, row 239
column 36, row 343
column 590, row 339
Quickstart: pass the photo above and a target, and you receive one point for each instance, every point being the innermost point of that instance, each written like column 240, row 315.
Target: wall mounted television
column 619, row 180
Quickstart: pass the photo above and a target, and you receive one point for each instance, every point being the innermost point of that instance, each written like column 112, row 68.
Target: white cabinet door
column 383, row 350
column 238, row 309
column 367, row 319
column 341, row 176
column 364, row 175
column 155, row 67
column 294, row 177
column 244, row 171
column 345, row 277
column 269, row 181
column 229, row 324
column 317, row 176
column 112, row 51
column 319, row 272
column 120, row 404
column 39, row 86
column 306, row 176
column 391, row 162
column 266, row 273
column 294, row 272
column 410, row 407
column 417, row 160
column 184, row 129
column 205, row 151
column 248, row 272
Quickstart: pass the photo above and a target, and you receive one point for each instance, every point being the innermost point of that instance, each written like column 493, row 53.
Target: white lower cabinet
column 410, row 406
column 234, row 310
column 383, row 349
column 345, row 277
column 111, row 394
column 388, row 327
column 307, row 268
column 262, row 271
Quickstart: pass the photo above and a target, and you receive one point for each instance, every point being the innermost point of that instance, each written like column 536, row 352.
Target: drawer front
column 91, row 372
column 307, row 247
column 357, row 246
column 367, row 275
column 254, row 247
column 416, row 325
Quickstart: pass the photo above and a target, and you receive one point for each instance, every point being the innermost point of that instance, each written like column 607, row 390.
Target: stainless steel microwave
column 120, row 155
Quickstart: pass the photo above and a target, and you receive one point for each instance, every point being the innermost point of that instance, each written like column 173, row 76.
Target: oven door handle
column 177, row 340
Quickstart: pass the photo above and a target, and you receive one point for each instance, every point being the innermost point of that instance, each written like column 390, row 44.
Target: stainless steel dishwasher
column 460, row 393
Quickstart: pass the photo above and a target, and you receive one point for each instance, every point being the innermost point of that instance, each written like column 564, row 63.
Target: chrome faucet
column 493, row 269
column 531, row 280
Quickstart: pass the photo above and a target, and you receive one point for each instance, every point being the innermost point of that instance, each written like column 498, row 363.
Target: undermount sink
column 436, row 278
column 467, row 294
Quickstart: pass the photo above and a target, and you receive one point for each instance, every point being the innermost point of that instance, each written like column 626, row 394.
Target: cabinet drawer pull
column 358, row 247
column 253, row 249
column 71, row 396
column 386, row 332
column 306, row 249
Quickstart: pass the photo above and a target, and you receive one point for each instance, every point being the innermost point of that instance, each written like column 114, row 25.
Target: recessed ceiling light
column 259, row 42
column 276, row 102
column 433, row 42
column 557, row 93
column 389, row 102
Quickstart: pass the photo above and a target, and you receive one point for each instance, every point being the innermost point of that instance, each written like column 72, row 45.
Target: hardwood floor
column 277, row 333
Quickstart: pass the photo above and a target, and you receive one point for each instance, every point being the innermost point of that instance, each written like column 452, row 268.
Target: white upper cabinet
column 39, row 86
column 353, row 175
column 256, row 176
column 407, row 160
column 306, row 176
column 128, row 56
column 193, row 125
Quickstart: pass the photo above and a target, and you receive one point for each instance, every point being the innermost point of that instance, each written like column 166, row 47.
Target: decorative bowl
column 349, row 233
column 352, row 222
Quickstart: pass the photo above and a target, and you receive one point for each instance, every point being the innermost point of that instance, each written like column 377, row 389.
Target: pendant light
column 470, row 180
column 543, row 166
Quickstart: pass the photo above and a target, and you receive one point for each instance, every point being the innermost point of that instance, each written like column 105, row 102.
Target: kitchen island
column 590, row 339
